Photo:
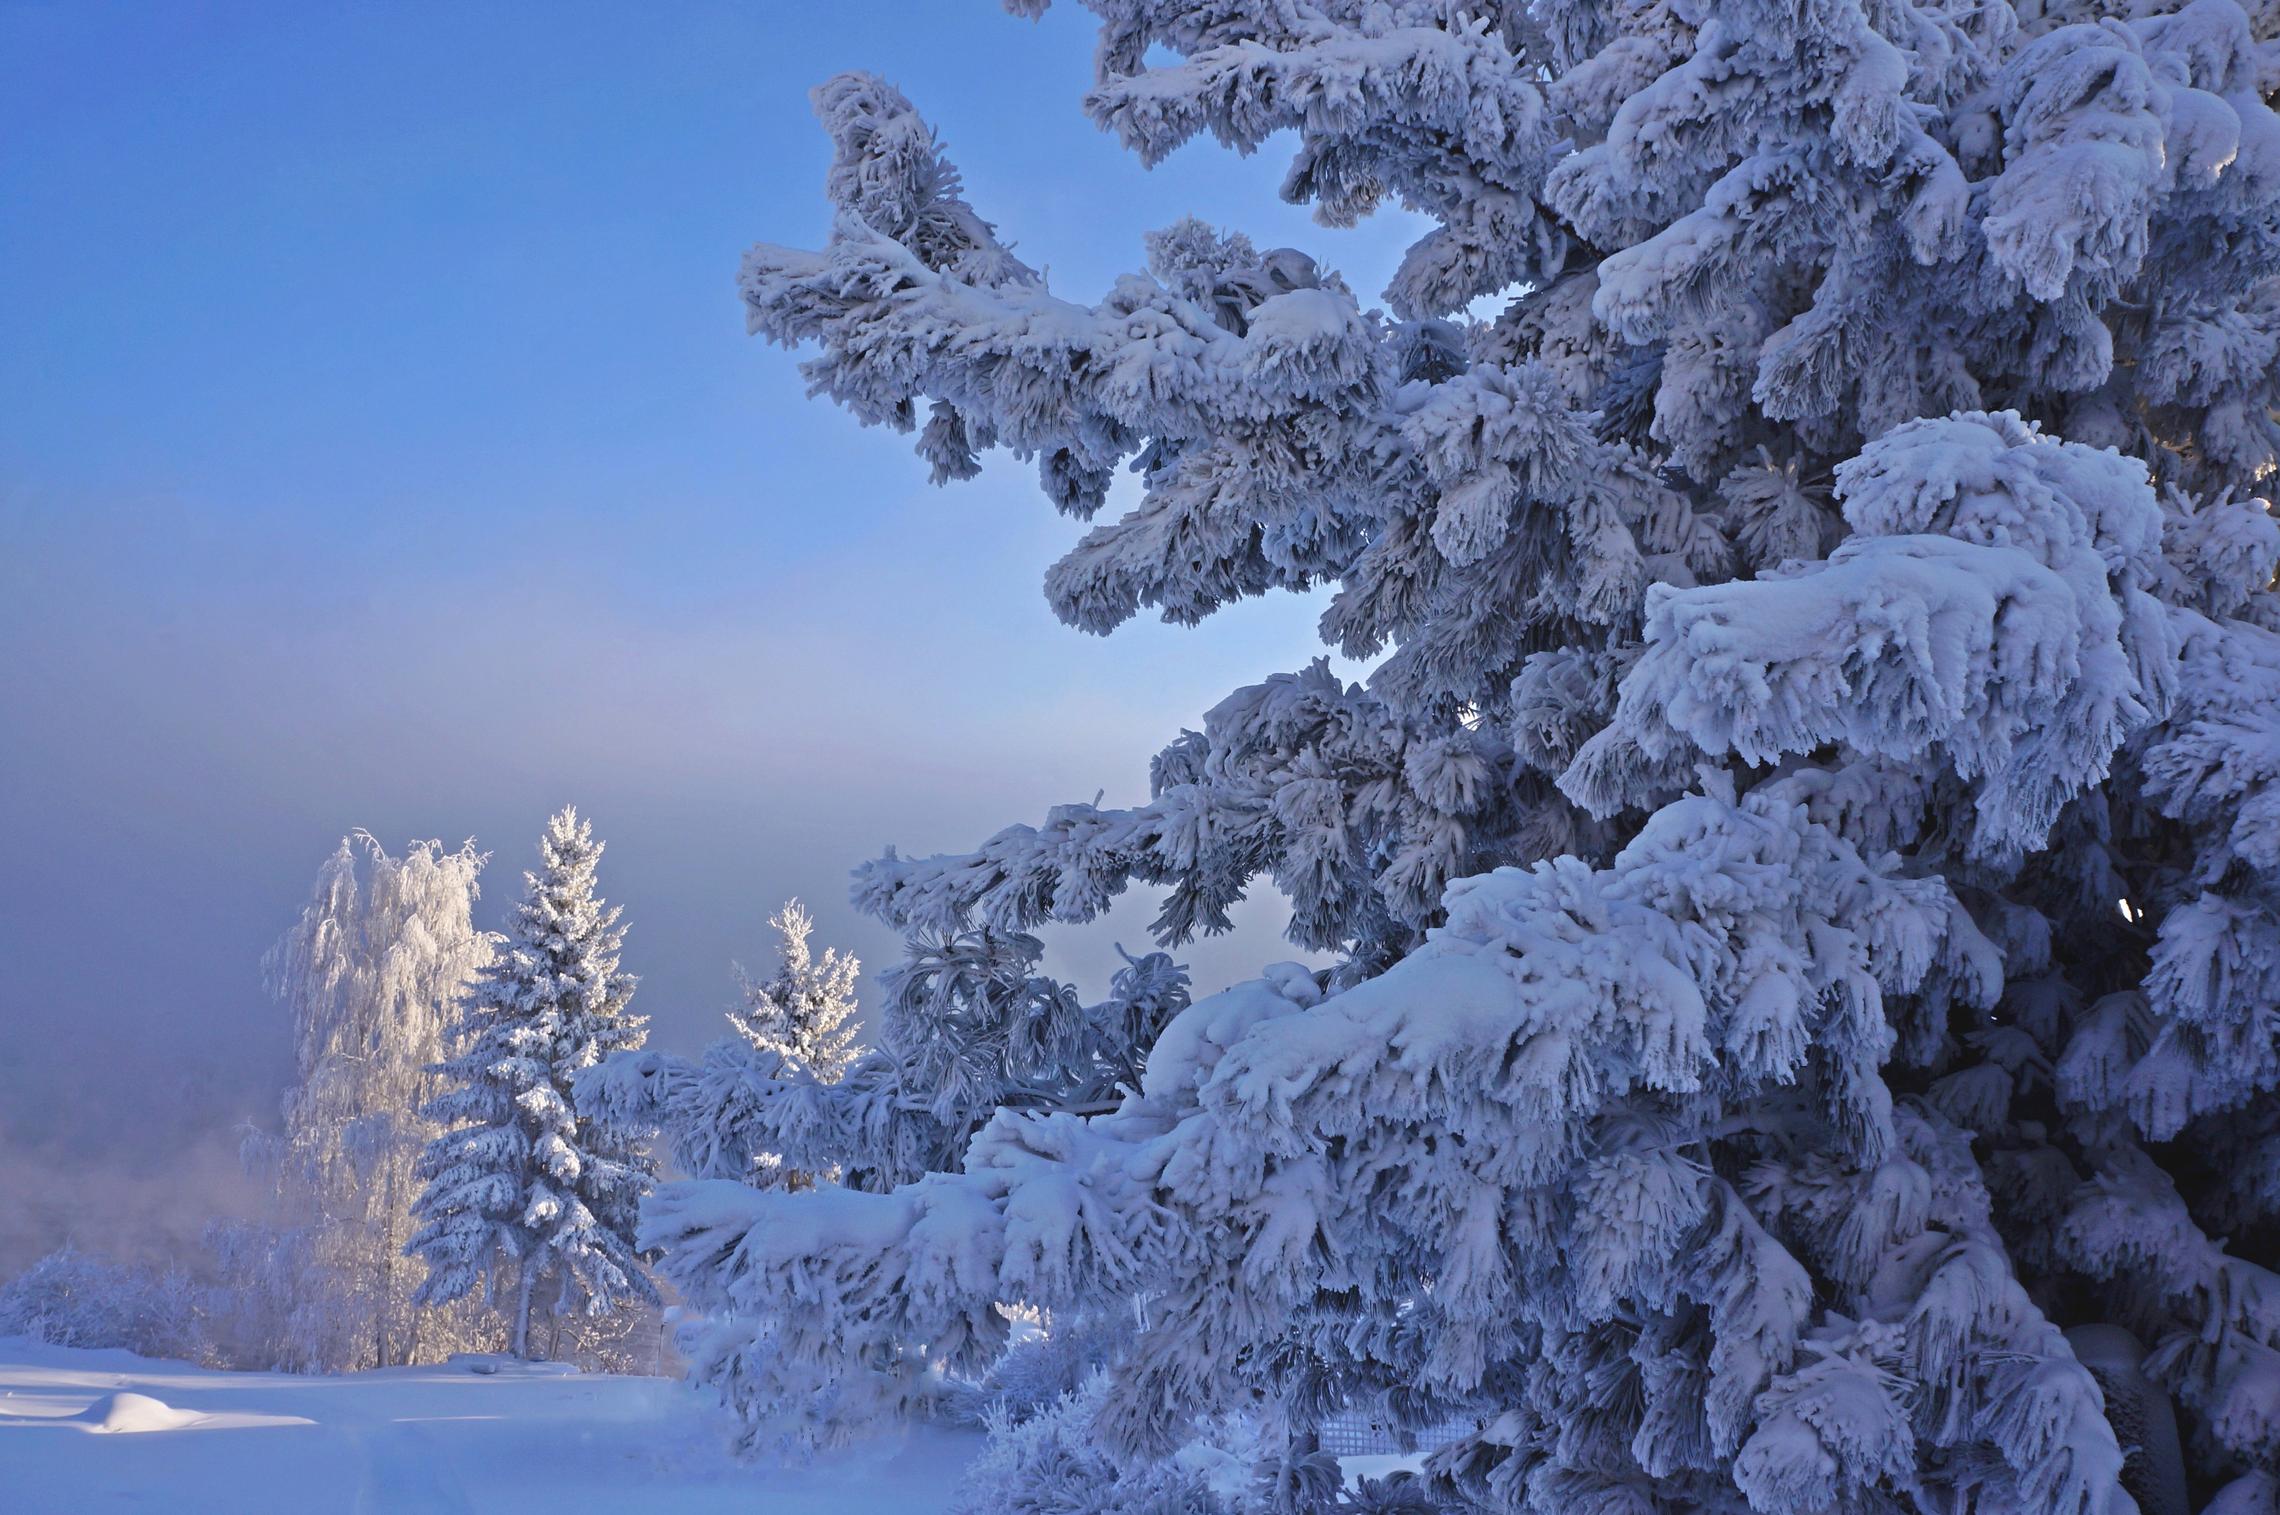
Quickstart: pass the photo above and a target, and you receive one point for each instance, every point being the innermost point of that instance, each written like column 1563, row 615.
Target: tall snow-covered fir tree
column 1804, row 869
column 520, row 1187
column 370, row 973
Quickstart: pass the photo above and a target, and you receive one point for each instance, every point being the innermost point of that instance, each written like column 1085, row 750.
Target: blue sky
column 380, row 446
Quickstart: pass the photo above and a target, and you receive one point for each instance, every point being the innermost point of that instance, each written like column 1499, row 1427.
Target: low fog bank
column 152, row 1210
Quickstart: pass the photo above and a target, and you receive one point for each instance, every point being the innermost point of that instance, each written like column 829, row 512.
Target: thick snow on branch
column 1988, row 611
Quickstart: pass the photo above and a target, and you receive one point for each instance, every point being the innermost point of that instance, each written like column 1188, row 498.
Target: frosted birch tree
column 370, row 973
column 1802, row 870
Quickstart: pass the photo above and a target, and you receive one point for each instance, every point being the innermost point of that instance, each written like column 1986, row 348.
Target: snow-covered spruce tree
column 519, row 1185
column 1805, row 876
column 370, row 973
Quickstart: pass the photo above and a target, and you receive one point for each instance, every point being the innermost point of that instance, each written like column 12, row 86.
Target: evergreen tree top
column 563, row 940
column 804, row 1011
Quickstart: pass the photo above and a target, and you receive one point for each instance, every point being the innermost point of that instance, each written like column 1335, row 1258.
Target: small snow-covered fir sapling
column 802, row 1017
column 804, row 1011
column 520, row 1186
column 1802, row 872
column 968, row 1026
column 789, row 1098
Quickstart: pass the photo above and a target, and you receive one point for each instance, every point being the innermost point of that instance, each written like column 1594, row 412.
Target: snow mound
column 507, row 1365
column 135, row 1412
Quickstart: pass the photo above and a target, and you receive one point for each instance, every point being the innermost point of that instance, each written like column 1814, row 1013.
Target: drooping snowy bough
column 1806, row 878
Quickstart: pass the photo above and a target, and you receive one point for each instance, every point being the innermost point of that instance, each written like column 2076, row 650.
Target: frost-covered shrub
column 71, row 1298
column 1398, row 1493
column 1045, row 1360
column 1050, row 1463
column 264, row 1297
column 632, row 1337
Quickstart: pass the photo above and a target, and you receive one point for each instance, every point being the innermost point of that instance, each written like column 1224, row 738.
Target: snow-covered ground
column 107, row 1430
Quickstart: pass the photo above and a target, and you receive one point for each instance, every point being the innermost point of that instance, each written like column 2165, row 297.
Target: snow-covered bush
column 262, row 1288
column 1044, row 1361
column 1802, row 872
column 1050, row 1463
column 71, row 1298
column 631, row 1337
column 1401, row 1492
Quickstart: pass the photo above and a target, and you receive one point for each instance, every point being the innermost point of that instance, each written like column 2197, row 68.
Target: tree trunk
column 387, row 1265
column 522, row 1312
